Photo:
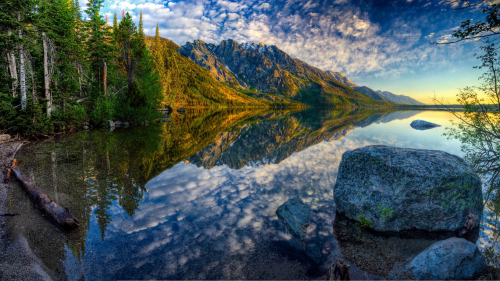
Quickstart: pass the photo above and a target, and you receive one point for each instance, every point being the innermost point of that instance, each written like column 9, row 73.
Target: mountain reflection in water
column 196, row 198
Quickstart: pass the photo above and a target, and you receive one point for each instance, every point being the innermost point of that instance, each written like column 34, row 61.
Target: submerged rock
column 450, row 259
column 395, row 189
column 296, row 216
column 423, row 125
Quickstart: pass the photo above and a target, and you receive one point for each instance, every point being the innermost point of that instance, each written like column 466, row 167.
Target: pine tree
column 99, row 47
column 126, row 43
column 157, row 50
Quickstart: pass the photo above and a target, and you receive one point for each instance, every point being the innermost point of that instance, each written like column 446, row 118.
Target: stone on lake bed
column 450, row 259
column 423, row 125
column 296, row 216
column 394, row 189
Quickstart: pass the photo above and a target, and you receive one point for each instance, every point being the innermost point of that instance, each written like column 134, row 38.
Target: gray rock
column 118, row 123
column 450, row 259
column 296, row 216
column 125, row 124
column 423, row 125
column 85, row 127
column 110, row 124
column 394, row 189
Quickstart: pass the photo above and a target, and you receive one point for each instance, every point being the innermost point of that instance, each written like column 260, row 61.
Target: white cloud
column 263, row 6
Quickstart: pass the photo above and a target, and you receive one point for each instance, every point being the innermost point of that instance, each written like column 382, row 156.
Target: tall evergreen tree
column 159, row 61
column 98, row 42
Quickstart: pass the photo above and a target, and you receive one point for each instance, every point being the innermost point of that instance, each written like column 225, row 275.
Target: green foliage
column 363, row 222
column 32, row 121
column 385, row 212
column 103, row 111
column 73, row 116
column 143, row 97
column 7, row 111
column 481, row 29
column 478, row 128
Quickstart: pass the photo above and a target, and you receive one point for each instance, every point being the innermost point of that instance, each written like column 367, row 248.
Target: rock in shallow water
column 423, row 125
column 395, row 189
column 450, row 259
column 296, row 216
column 110, row 124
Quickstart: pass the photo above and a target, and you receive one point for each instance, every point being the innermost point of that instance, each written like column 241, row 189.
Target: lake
column 196, row 198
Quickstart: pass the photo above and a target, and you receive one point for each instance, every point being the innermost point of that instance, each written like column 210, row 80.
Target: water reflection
column 196, row 198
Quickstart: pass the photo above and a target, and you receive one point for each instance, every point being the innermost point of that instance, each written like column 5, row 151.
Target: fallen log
column 61, row 216
column 9, row 171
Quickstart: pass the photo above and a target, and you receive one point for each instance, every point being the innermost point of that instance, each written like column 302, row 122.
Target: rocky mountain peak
column 339, row 76
column 270, row 70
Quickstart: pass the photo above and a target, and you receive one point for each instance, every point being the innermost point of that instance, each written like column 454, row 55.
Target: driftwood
column 61, row 216
column 339, row 270
column 9, row 171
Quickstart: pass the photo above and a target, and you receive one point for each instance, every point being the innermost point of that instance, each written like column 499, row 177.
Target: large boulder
column 296, row 216
column 450, row 259
column 395, row 189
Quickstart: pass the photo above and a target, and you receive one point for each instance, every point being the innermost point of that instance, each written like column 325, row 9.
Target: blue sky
column 384, row 45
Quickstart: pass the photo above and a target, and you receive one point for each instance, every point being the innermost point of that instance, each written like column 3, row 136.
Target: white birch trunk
column 46, row 75
column 11, row 58
column 22, row 74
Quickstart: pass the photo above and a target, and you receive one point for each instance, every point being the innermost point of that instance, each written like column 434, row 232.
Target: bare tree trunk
column 11, row 58
column 46, row 75
column 22, row 74
column 79, row 78
column 104, row 78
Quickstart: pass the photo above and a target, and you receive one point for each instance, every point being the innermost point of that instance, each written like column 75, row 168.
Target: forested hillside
column 186, row 84
column 59, row 68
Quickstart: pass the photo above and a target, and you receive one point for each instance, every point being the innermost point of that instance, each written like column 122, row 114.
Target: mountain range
column 205, row 74
column 376, row 95
column 258, row 68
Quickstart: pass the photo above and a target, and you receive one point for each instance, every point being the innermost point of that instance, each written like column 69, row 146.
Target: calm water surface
column 196, row 198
